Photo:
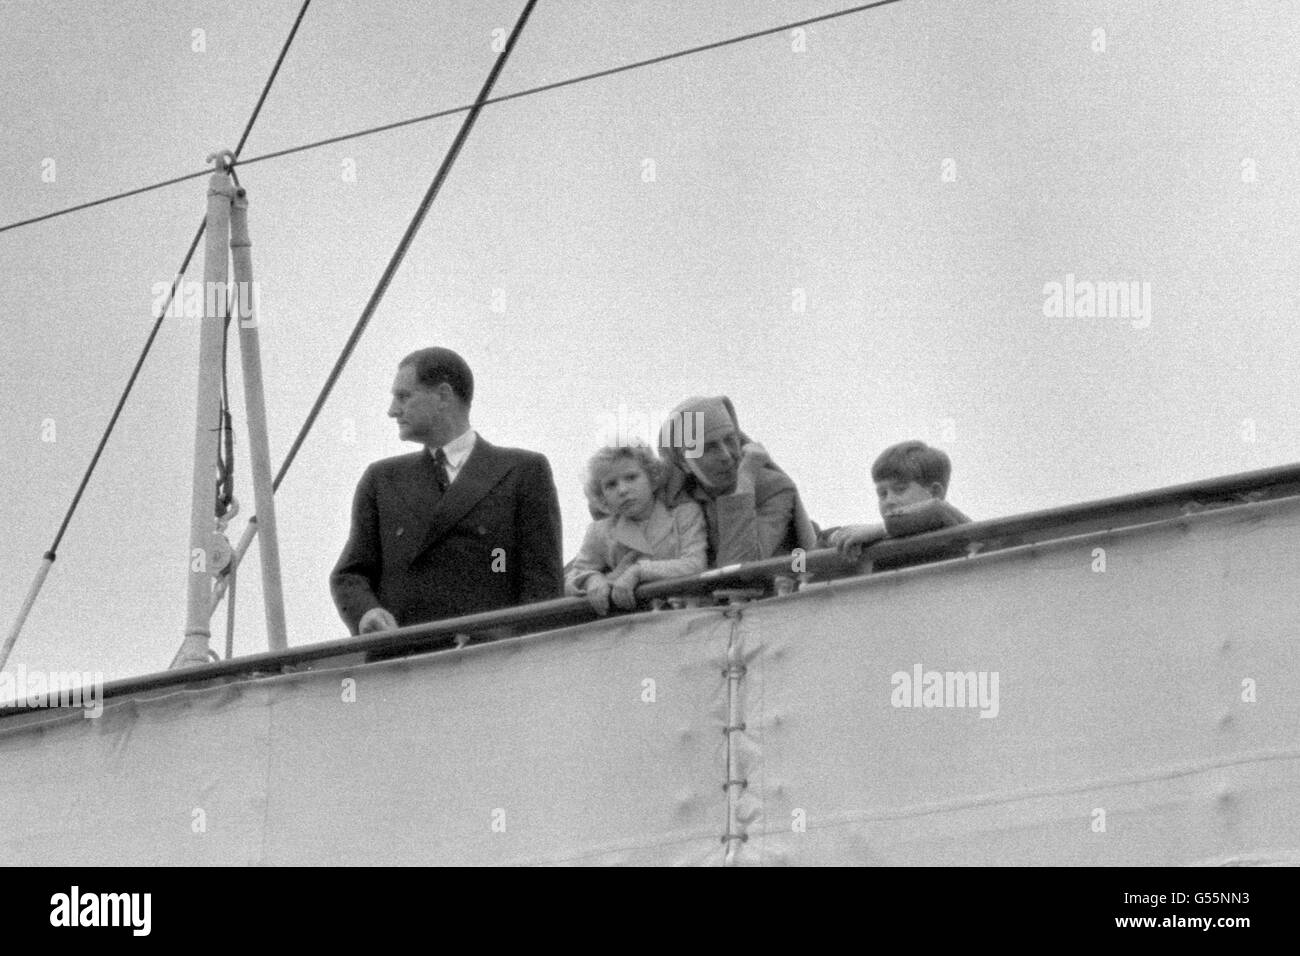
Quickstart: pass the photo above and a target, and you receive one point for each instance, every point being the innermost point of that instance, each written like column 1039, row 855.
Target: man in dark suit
column 459, row 527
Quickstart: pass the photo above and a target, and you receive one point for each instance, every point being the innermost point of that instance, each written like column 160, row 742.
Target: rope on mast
column 225, row 500
column 50, row 556
column 440, row 114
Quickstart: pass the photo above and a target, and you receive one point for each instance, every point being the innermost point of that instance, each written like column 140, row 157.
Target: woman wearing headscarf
column 751, row 507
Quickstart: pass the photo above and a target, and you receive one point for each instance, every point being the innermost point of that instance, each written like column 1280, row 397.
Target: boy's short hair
column 656, row 470
column 913, row 461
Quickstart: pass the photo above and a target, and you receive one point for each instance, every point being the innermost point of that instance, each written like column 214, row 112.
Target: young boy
column 911, row 483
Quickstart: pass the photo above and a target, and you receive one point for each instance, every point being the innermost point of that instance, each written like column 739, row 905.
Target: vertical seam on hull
column 733, row 836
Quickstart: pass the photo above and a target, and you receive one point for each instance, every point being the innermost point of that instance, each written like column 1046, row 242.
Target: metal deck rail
column 821, row 565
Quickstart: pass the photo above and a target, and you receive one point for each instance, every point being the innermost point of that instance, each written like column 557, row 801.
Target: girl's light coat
column 671, row 543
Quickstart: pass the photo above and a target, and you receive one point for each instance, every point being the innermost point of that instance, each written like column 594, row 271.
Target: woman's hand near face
column 753, row 459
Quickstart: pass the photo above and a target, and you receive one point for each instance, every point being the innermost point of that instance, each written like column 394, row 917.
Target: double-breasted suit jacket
column 491, row 541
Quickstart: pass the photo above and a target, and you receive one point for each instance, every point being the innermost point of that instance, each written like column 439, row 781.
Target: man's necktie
column 440, row 470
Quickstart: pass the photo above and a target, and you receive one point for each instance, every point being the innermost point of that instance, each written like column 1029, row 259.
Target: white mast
column 227, row 226
column 207, row 418
column 255, row 406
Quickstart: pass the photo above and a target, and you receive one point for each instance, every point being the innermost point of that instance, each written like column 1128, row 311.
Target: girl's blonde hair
column 600, row 462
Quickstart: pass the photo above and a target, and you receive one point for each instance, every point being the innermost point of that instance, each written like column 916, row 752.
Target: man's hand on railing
column 376, row 619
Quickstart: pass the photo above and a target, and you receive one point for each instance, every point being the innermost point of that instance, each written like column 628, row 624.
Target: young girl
column 640, row 538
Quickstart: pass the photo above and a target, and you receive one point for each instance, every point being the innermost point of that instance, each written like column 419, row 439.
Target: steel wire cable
column 50, row 555
column 453, row 111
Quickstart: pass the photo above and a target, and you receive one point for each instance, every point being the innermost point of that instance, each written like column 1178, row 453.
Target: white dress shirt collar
column 457, row 450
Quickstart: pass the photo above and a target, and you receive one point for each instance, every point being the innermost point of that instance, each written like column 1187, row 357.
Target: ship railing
column 745, row 581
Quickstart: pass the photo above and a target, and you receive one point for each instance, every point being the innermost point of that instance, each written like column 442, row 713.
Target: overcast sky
column 853, row 233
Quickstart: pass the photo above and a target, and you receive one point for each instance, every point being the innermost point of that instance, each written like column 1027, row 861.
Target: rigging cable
column 50, row 555
column 404, row 244
column 385, row 279
column 505, row 97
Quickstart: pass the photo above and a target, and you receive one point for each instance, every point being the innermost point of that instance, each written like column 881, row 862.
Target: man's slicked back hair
column 434, row 366
column 913, row 461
